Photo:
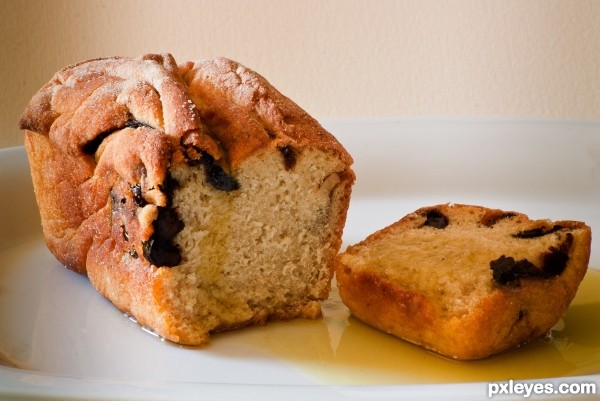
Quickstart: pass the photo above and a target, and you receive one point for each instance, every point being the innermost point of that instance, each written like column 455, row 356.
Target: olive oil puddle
column 339, row 349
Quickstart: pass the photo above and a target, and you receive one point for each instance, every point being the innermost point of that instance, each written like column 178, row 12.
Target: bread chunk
column 196, row 197
column 465, row 281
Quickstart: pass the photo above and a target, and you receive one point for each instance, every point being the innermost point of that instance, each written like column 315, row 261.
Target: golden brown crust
column 56, row 178
column 90, row 99
column 507, row 316
column 104, row 132
column 246, row 113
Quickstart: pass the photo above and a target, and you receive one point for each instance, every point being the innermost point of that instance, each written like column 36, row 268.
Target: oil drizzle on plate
column 339, row 349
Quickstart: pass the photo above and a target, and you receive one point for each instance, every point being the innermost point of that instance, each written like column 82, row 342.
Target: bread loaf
column 465, row 281
column 196, row 197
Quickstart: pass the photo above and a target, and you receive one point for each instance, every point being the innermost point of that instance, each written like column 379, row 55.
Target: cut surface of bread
column 196, row 197
column 465, row 281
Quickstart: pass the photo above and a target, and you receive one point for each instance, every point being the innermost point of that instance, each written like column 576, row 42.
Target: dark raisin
column 219, row 179
column 435, row 219
column 92, row 146
column 537, row 232
column 506, row 269
column 167, row 224
column 161, row 252
column 215, row 175
column 289, row 156
column 160, row 249
column 138, row 198
column 136, row 124
column 556, row 260
column 168, row 186
column 491, row 218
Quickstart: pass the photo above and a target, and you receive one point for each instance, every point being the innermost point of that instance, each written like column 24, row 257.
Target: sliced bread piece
column 465, row 281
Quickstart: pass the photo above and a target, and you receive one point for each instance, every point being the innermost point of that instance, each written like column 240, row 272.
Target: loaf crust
column 433, row 284
column 105, row 139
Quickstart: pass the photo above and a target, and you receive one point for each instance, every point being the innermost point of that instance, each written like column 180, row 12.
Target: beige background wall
column 337, row 59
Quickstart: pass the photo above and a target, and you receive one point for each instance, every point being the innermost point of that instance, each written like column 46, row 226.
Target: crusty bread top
column 245, row 112
column 84, row 102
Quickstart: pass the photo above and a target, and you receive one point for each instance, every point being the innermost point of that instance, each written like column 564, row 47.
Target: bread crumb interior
column 449, row 265
column 260, row 251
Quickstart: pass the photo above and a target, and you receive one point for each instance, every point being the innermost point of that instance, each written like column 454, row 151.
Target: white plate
column 64, row 340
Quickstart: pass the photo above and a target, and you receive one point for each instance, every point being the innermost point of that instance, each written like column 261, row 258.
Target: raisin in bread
column 465, row 281
column 196, row 197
